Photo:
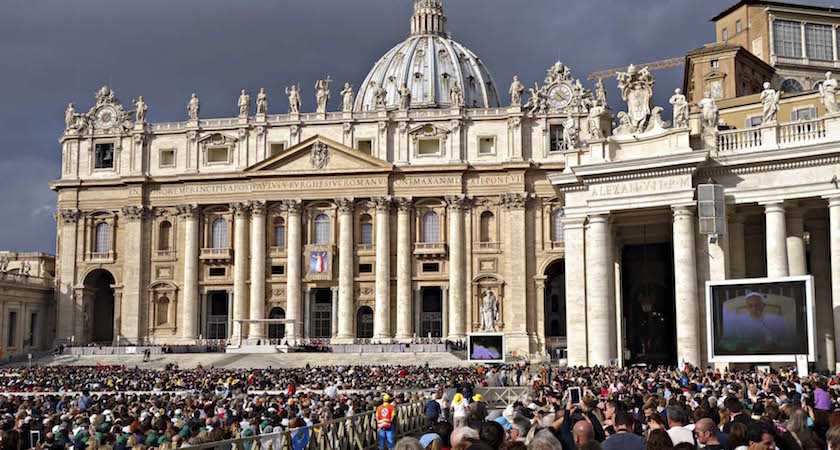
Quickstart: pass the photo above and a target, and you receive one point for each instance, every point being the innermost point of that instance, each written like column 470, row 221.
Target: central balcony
column 430, row 248
column 216, row 254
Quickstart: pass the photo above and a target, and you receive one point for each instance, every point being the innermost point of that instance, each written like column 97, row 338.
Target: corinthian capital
column 70, row 215
column 515, row 200
column 404, row 204
column 293, row 206
column 187, row 211
column 458, row 202
column 240, row 209
column 258, row 208
column 345, row 205
column 383, row 204
column 134, row 212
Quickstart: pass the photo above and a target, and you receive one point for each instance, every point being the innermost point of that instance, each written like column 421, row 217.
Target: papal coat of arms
column 320, row 155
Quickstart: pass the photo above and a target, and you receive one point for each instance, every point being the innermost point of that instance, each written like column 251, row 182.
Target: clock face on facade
column 106, row 117
column 560, row 95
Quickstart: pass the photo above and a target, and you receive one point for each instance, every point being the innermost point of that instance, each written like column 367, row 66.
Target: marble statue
column 4, row 263
column 70, row 117
column 571, row 133
column 624, row 125
column 405, row 97
column 709, row 112
column 347, row 98
column 680, row 104
column 294, row 99
column 244, row 104
column 637, row 90
column 770, row 104
column 42, row 269
column 194, row 106
column 26, row 268
column 322, row 94
column 379, row 95
column 262, row 102
column 601, row 93
column 105, row 95
column 140, row 110
column 516, row 90
column 456, row 98
column 489, row 311
column 594, row 121
column 828, row 94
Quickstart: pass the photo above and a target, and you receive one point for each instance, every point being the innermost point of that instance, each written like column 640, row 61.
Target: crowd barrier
column 389, row 348
column 138, row 350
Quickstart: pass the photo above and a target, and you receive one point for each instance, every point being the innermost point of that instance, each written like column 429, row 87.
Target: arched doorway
column 431, row 318
column 555, row 306
column 364, row 323
column 277, row 330
column 321, row 319
column 101, row 317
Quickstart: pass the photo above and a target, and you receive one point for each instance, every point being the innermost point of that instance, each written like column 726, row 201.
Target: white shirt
column 681, row 434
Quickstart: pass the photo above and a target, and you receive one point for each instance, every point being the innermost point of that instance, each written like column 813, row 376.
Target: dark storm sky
column 57, row 51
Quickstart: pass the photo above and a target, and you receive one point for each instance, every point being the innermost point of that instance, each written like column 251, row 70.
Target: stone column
column 241, row 212
column 737, row 254
column 134, row 288
column 777, row 259
column 382, row 319
column 457, row 261
column 189, row 306
column 345, row 271
column 599, row 294
column 256, row 331
column 307, row 315
column 821, row 269
column 573, row 236
column 66, row 308
column 404, row 257
column 334, row 318
column 516, row 310
column 444, row 296
column 418, row 311
column 795, row 241
column 834, row 227
column 685, row 287
column 294, row 249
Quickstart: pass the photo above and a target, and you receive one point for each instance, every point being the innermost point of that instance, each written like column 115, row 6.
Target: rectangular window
column 365, row 268
column 365, row 146
column 555, row 134
column 715, row 63
column 737, row 26
column 367, row 233
column 104, row 154
column 33, row 325
column 787, row 38
column 277, row 148
column 803, row 114
column 724, row 34
column 167, row 158
column 428, row 147
column 754, row 121
column 487, row 146
column 10, row 341
column 217, row 271
column 217, row 155
column 758, row 47
column 278, row 270
column 818, row 42
column 431, row 267
column 280, row 236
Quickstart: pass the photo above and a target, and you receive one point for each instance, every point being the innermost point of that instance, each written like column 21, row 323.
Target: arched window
column 322, row 229
column 162, row 311
column 220, row 233
column 164, row 235
column 367, row 230
column 279, row 233
column 277, row 330
column 557, row 225
column 431, row 227
column 791, row 85
column 487, row 227
column 364, row 323
column 103, row 238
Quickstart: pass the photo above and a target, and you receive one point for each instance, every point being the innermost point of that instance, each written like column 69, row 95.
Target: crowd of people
column 120, row 408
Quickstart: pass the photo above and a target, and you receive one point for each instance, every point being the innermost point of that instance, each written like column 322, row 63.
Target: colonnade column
column 834, row 226
column 189, row 305
column 418, row 312
column 599, row 294
column 795, row 242
column 518, row 313
column 334, row 316
column 457, row 261
column 444, row 296
column 134, row 288
column 66, row 308
column 573, row 236
column 737, row 252
column 404, row 253
column 240, row 269
column 345, row 271
column 821, row 269
column 293, row 268
column 256, row 330
column 776, row 235
column 382, row 320
column 685, row 287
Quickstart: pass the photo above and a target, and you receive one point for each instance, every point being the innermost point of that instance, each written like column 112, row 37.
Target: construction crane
column 656, row 65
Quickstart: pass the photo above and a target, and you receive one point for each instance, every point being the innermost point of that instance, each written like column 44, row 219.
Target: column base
column 382, row 340
column 252, row 340
column 343, row 340
column 404, row 338
column 518, row 344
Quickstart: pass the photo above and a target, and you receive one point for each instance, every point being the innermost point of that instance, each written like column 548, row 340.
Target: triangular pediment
column 319, row 154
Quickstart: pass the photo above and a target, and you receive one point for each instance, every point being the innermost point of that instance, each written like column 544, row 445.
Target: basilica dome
column 431, row 65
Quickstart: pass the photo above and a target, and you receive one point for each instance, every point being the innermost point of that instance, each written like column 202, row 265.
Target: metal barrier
column 357, row 433
column 502, row 397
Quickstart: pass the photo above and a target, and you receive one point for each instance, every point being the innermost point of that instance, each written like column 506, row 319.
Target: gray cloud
column 55, row 51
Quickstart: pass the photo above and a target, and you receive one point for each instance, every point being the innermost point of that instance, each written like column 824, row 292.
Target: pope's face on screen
column 755, row 306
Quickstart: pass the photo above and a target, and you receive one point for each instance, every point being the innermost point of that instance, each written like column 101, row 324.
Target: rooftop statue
column 347, row 98
column 294, row 99
column 262, row 102
column 637, row 90
column 770, row 104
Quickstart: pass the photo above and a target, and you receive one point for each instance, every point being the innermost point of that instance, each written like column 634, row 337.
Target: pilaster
column 189, row 304
column 134, row 268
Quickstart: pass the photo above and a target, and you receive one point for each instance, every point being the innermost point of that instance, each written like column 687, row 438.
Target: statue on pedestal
column 600, row 93
column 4, row 263
column 140, row 110
column 262, row 102
column 244, row 104
column 405, row 97
column 680, row 104
column 637, row 90
column 379, row 95
column 194, row 106
column 828, row 94
column 456, row 98
column 571, row 133
column 770, row 104
column 516, row 91
column 347, row 98
column 710, row 113
column 489, row 311
column 70, row 118
column 294, row 99
column 594, row 121
column 322, row 94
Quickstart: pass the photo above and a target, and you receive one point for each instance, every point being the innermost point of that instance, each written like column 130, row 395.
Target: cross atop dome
column 428, row 18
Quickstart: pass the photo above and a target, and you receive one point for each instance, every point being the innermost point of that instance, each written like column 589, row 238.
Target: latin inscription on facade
column 265, row 186
column 653, row 185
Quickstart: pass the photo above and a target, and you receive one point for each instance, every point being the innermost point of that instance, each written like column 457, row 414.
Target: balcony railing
column 488, row 246
column 365, row 248
column 163, row 255
column 772, row 136
column 218, row 254
column 277, row 251
column 429, row 248
column 101, row 256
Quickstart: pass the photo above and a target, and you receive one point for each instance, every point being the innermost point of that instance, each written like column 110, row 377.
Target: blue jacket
column 624, row 441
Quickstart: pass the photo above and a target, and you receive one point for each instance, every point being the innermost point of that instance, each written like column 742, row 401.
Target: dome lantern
column 428, row 18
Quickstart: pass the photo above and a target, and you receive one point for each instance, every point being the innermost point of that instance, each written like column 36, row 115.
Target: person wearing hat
column 385, row 423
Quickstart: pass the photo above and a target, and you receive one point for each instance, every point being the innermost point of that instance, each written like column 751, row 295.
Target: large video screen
column 757, row 320
column 486, row 347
